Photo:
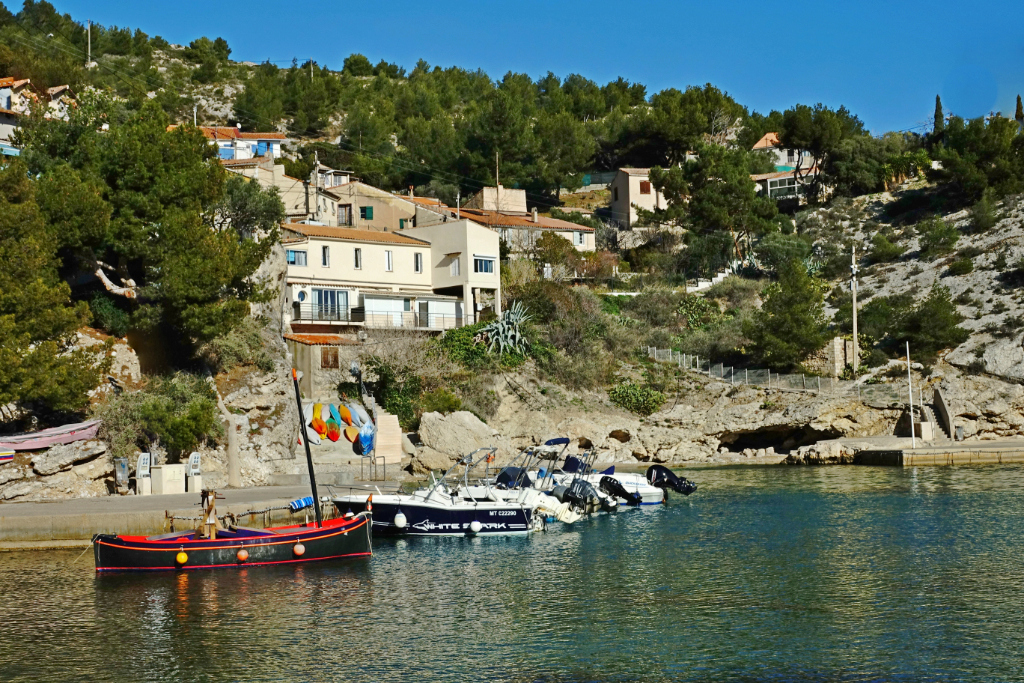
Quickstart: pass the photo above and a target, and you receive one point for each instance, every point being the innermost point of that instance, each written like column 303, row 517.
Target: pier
column 72, row 523
column 951, row 453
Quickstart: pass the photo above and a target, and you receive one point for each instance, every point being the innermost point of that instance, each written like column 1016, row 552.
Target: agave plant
column 506, row 333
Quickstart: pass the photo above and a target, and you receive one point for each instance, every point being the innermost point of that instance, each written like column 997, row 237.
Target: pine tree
column 1020, row 111
column 940, row 122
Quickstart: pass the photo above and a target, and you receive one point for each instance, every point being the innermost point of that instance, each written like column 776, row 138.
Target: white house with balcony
column 342, row 278
column 631, row 190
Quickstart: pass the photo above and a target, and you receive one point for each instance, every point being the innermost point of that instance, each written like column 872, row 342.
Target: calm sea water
column 766, row 574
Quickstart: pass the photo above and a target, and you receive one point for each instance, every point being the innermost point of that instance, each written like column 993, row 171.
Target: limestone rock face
column 455, row 434
column 63, row 456
column 429, row 460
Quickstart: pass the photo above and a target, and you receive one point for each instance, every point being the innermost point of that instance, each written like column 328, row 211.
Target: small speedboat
column 442, row 509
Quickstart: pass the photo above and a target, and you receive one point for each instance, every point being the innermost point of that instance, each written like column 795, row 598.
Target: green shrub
column 107, row 316
column 961, row 267
column 179, row 411
column 983, row 214
column 699, row 312
column 635, row 398
column 440, row 400
column 937, row 237
column 461, row 346
column 884, row 251
column 396, row 388
column 243, row 345
column 931, row 327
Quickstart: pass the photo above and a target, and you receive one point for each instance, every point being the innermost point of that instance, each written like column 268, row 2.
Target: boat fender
column 475, row 526
column 299, row 550
column 400, row 520
column 242, row 555
column 181, row 558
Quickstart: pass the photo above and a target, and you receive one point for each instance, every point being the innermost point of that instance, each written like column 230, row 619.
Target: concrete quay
column 72, row 523
column 946, row 453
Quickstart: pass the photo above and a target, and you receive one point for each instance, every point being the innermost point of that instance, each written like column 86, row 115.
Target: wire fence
column 873, row 394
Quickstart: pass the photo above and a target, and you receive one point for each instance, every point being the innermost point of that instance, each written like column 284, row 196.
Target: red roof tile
column 767, row 141
column 320, row 339
column 503, row 220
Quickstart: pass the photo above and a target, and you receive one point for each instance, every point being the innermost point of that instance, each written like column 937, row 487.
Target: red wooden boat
column 211, row 546
column 235, row 547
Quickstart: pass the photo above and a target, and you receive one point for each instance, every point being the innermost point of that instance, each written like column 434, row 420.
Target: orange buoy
column 299, row 549
column 181, row 558
column 243, row 555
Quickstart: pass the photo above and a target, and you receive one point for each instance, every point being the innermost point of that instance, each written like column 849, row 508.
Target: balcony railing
column 358, row 315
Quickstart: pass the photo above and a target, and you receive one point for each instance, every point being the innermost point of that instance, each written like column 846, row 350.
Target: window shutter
column 369, row 213
column 645, row 187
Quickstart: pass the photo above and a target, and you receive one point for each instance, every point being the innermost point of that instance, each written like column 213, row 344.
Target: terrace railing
column 358, row 315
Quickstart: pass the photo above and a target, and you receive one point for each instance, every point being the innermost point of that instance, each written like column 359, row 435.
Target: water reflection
column 766, row 573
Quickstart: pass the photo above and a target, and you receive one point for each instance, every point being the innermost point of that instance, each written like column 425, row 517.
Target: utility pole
column 195, row 115
column 88, row 37
column 458, row 204
column 910, row 390
column 853, row 290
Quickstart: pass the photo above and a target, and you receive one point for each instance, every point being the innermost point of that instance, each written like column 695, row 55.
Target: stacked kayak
column 334, row 421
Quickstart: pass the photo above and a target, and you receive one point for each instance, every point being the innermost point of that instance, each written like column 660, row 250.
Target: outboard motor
column 582, row 496
column 664, row 478
column 615, row 488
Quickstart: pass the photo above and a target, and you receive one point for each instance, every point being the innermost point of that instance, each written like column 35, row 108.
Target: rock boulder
column 63, row 456
column 455, row 434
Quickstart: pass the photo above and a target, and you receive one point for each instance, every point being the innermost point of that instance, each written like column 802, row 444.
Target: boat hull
column 426, row 520
column 337, row 539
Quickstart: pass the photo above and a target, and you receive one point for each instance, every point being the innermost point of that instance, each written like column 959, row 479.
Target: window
column 401, row 224
column 359, row 258
column 296, row 258
column 483, row 265
column 406, row 304
column 645, row 187
column 577, row 238
column 454, row 268
column 345, row 214
column 791, row 155
column 389, row 261
column 329, row 357
column 366, row 213
column 325, row 257
column 417, row 260
column 615, row 194
column 301, row 296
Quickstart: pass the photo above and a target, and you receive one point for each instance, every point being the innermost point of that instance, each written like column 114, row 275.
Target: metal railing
column 874, row 394
column 376, row 319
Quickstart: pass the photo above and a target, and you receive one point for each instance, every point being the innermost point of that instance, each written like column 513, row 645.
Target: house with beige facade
column 784, row 159
column 345, row 278
column 631, row 189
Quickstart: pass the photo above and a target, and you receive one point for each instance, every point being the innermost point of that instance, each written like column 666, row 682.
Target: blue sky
column 884, row 60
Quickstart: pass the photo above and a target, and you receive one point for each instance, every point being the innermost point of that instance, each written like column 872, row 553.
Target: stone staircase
column 389, row 439
column 927, row 414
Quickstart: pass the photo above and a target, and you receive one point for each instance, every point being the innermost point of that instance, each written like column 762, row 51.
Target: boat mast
column 309, row 456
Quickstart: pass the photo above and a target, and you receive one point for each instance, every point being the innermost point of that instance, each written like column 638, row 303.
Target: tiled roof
column 57, row 89
column 426, row 201
column 263, row 136
column 320, row 339
column 10, row 111
column 503, row 220
column 636, row 171
column 767, row 141
column 255, row 161
column 352, row 234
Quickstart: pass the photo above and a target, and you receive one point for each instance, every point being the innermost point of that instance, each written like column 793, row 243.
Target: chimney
column 535, row 215
column 410, row 192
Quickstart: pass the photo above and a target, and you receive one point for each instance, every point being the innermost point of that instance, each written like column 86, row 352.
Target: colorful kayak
column 366, row 438
column 335, row 413
column 358, row 410
column 354, row 414
column 346, row 416
column 7, row 456
column 318, row 424
column 307, row 413
column 333, row 430
column 351, row 433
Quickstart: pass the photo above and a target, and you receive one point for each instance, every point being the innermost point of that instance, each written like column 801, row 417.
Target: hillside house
column 342, row 278
column 232, row 143
column 16, row 100
column 632, row 189
column 784, row 159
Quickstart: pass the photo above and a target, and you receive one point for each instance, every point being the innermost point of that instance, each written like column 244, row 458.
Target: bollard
column 745, row 379
column 819, row 384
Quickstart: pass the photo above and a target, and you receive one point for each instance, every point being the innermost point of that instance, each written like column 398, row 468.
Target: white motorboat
column 443, row 509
